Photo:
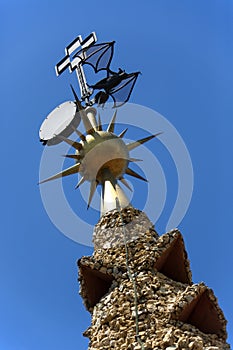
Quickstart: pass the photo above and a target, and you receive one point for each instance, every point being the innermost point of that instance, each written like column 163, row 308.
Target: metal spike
column 135, row 144
column 81, row 181
column 126, row 183
column 123, row 133
column 135, row 160
column 113, row 182
column 73, row 156
column 111, row 125
column 82, row 137
column 72, row 143
column 75, row 95
column 87, row 124
column 92, row 191
column 99, row 126
column 80, row 109
column 102, row 193
column 72, row 170
column 134, row 174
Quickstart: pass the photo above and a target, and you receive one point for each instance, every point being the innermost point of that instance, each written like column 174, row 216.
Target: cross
column 76, row 63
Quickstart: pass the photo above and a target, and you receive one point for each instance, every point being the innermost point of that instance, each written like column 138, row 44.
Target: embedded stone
column 173, row 313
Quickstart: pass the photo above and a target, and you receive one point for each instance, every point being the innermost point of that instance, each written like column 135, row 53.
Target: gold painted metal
column 102, row 158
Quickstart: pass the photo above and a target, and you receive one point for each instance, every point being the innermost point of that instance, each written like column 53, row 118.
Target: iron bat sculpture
column 118, row 85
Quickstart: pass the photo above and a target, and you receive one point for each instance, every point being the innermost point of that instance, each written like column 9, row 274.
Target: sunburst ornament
column 101, row 157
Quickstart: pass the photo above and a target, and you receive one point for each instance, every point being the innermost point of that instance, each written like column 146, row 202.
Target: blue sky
column 184, row 50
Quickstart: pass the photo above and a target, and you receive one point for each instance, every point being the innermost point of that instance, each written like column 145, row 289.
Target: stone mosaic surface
column 171, row 314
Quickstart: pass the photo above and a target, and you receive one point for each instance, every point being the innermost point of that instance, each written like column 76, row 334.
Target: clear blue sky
column 184, row 50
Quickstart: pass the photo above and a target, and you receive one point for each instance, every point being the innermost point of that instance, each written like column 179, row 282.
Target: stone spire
column 138, row 288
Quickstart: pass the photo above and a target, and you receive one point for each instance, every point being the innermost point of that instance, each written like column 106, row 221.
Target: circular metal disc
column 61, row 121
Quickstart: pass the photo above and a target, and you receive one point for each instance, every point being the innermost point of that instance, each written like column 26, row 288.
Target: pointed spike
column 73, row 156
column 92, row 191
column 122, row 134
column 134, row 174
column 80, row 108
column 135, row 160
column 75, row 95
column 102, row 193
column 126, row 183
column 83, row 114
column 81, row 181
column 113, row 182
column 99, row 127
column 111, row 125
column 72, row 170
column 87, row 124
column 135, row 144
column 82, row 137
column 72, row 143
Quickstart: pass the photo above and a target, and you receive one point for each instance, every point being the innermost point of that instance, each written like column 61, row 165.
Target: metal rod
column 85, row 91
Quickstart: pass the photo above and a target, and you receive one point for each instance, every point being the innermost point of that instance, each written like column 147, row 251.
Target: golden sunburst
column 102, row 158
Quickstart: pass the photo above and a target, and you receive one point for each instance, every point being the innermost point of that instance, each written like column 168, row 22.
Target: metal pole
column 91, row 115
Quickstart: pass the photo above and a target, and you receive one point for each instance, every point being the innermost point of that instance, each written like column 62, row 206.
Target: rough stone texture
column 108, row 231
column 173, row 313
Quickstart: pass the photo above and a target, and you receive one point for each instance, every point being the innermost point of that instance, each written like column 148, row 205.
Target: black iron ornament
column 98, row 56
column 118, row 85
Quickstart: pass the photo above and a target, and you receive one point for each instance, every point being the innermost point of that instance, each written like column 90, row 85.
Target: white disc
column 61, row 122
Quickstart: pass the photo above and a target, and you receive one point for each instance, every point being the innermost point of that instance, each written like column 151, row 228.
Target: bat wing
column 99, row 56
column 121, row 93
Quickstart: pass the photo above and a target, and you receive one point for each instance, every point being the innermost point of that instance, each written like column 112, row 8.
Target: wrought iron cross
column 76, row 63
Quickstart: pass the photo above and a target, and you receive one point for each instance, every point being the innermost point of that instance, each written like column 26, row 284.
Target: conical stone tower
column 138, row 288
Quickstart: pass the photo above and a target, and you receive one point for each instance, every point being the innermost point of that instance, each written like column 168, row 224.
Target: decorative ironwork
column 101, row 157
column 119, row 85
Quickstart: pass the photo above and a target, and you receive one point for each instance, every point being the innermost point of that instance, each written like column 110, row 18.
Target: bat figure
column 118, row 85
column 98, row 56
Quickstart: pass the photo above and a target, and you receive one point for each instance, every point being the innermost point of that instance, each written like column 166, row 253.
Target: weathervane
column 101, row 157
column 118, row 85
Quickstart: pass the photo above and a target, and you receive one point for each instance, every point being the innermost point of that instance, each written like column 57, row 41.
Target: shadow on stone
column 173, row 261
column 96, row 284
column 202, row 313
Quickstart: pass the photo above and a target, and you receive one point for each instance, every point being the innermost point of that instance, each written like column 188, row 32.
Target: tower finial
column 101, row 157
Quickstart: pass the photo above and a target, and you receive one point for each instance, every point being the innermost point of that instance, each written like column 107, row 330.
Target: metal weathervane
column 101, row 157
